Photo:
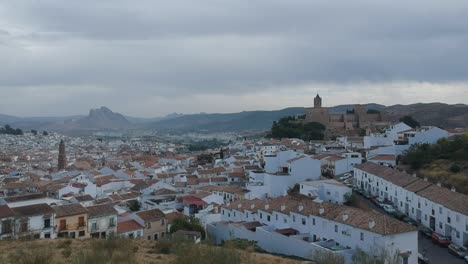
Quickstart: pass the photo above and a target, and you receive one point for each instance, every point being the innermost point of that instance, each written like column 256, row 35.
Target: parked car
column 427, row 232
column 345, row 177
column 367, row 195
column 422, row 259
column 399, row 215
column 380, row 202
column 466, row 259
column 389, row 209
column 440, row 239
column 410, row 221
column 460, row 252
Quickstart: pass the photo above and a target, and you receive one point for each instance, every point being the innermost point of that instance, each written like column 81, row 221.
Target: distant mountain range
column 103, row 119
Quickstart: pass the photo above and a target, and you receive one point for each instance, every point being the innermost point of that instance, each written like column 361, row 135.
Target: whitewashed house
column 325, row 190
column 102, row 221
column 442, row 210
column 300, row 228
column 34, row 221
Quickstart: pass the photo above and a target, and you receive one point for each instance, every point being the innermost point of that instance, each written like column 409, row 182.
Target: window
column 448, row 219
column 362, row 236
column 268, row 218
column 276, row 217
column 285, row 220
column 81, row 221
column 223, row 212
column 24, row 227
column 440, row 225
column 261, row 215
column 336, row 229
column 302, row 186
column 81, row 234
column 294, row 218
column 112, row 221
column 433, row 212
column 155, row 236
column 47, row 235
column 412, row 210
column 7, row 226
column 46, row 223
column 303, row 221
column 94, row 226
column 149, row 237
column 247, row 215
column 440, row 210
column 148, row 225
column 313, row 221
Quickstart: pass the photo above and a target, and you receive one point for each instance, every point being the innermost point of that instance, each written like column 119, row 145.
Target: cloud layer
column 148, row 58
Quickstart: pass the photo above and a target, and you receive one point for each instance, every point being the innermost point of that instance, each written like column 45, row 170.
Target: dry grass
column 439, row 171
column 62, row 251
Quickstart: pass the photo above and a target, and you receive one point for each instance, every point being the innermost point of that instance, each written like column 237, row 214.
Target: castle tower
column 62, row 158
column 317, row 101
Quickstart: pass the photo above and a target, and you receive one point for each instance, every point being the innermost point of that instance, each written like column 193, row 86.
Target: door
column 63, row 225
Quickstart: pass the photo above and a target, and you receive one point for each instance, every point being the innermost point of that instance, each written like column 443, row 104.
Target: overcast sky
column 150, row 58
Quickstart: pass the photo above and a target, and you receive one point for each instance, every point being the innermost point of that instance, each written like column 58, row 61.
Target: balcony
column 70, row 227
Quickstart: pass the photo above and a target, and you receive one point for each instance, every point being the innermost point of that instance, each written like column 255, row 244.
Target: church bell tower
column 317, row 101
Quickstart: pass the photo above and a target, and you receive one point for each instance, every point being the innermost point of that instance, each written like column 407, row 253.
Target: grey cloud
column 177, row 49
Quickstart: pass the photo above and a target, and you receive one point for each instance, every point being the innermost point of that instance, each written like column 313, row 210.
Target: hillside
column 62, row 251
column 436, row 114
column 248, row 120
column 445, row 162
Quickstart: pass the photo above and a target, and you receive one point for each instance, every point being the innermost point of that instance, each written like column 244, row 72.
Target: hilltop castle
column 358, row 118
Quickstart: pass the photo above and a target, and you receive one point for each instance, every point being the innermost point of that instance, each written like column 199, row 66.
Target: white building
column 102, row 221
column 281, row 172
column 442, row 210
column 35, row 221
column 325, row 190
column 300, row 228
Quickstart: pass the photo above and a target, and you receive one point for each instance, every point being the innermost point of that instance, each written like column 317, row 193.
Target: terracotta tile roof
column 151, row 215
column 101, row 210
column 394, row 176
column 69, row 210
column 174, row 215
column 452, row 200
column 84, row 198
column 5, row 211
column 164, row 191
column 26, row 197
column 127, row 226
column 384, row 224
column 383, row 157
column 33, row 210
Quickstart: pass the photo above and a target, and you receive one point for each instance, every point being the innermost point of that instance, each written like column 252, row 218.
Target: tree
column 44, row 133
column 351, row 199
column 134, row 205
column 187, row 224
column 34, row 132
column 410, row 121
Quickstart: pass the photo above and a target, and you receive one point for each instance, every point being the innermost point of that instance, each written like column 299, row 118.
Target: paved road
column 435, row 254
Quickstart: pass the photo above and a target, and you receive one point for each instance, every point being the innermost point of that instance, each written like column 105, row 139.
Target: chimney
column 439, row 184
column 301, row 207
column 252, row 206
column 283, row 207
column 321, row 210
column 453, row 189
column 371, row 223
column 267, row 206
column 345, row 216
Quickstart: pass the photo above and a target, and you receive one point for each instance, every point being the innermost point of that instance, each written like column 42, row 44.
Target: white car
column 389, row 209
column 466, row 259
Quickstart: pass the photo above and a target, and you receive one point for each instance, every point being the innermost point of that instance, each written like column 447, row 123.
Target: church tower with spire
column 62, row 158
column 317, row 101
